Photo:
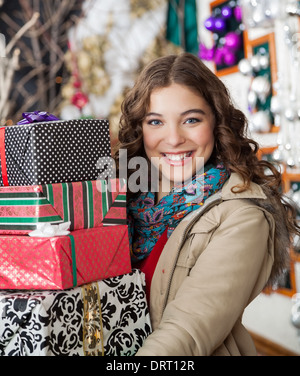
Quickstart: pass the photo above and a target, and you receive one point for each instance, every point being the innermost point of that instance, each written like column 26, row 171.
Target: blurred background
column 77, row 58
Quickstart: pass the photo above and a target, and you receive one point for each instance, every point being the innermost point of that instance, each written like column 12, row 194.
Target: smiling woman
column 177, row 130
column 210, row 243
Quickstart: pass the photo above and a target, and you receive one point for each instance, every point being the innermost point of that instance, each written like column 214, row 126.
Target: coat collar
column 254, row 191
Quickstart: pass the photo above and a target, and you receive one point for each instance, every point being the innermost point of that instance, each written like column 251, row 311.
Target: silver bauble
column 252, row 99
column 258, row 14
column 288, row 146
column 254, row 61
column 261, row 85
column 295, row 317
column 290, row 161
column 275, row 105
column 260, row 122
column 245, row 67
column 290, row 114
column 263, row 61
column 278, row 155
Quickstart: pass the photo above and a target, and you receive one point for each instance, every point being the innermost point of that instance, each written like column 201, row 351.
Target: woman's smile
column 177, row 159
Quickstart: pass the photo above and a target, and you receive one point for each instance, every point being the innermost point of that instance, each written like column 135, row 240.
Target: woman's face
column 178, row 132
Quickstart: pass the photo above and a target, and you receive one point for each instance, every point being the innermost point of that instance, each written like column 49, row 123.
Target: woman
column 221, row 232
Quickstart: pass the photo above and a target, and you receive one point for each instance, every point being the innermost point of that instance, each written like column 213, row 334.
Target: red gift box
column 62, row 262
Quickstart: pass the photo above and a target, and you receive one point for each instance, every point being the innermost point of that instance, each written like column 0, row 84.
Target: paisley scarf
column 148, row 221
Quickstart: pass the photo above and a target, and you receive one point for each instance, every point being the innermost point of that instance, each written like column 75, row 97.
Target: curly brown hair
column 233, row 147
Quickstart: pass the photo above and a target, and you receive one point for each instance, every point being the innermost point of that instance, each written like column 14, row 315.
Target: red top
column 148, row 265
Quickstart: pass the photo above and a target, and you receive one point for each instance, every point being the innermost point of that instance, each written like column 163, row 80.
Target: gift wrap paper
column 85, row 204
column 62, row 262
column 54, row 152
column 108, row 318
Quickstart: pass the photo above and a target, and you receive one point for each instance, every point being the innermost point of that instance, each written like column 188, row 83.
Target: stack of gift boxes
column 66, row 283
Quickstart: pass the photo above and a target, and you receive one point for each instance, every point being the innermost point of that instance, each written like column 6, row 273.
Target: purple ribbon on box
column 36, row 116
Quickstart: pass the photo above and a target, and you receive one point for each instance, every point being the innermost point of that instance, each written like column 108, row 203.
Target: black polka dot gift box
column 54, row 151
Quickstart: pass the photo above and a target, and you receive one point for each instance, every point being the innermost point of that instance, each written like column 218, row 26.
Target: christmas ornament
column 252, row 99
column 233, row 40
column 209, row 23
column 290, row 114
column 219, row 25
column 263, row 61
column 79, row 100
column 260, row 122
column 245, row 67
column 219, row 56
column 225, row 24
column 237, row 11
column 261, row 86
column 229, row 56
column 226, row 12
column 254, row 61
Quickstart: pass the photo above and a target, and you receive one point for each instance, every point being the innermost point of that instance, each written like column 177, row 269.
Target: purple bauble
column 206, row 53
column 226, row 12
column 219, row 55
column 209, row 23
column 219, row 24
column 210, row 54
column 237, row 11
column 229, row 58
column 232, row 40
column 202, row 54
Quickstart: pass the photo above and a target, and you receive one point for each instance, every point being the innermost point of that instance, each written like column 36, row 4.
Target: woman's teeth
column 178, row 157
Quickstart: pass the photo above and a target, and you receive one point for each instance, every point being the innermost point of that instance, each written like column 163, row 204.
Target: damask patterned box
column 61, row 262
column 53, row 151
column 85, row 204
column 108, row 318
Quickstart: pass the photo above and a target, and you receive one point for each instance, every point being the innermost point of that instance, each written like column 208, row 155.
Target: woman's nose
column 174, row 136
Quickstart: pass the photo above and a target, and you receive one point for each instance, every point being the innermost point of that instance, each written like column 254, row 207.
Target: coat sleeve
column 211, row 299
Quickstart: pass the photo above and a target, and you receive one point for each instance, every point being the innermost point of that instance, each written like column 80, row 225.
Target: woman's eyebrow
column 153, row 114
column 191, row 111
column 194, row 110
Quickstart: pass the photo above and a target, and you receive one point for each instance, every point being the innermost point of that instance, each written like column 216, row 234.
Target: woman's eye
column 192, row 121
column 154, row 122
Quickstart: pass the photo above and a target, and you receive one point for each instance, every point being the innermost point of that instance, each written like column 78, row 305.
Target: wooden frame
column 269, row 39
column 234, row 68
column 265, row 150
column 288, row 178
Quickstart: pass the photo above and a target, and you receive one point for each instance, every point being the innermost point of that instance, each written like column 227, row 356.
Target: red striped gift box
column 85, row 204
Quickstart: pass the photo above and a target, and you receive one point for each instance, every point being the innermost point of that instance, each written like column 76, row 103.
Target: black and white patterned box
column 109, row 318
column 56, row 151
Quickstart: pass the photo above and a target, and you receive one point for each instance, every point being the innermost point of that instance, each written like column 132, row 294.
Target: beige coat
column 218, row 259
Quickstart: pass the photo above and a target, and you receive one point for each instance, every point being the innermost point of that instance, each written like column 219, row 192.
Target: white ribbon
column 47, row 230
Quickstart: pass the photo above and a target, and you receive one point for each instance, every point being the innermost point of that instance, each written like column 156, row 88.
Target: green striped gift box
column 85, row 204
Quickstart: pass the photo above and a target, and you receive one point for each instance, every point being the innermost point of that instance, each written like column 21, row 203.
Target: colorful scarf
column 148, row 221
